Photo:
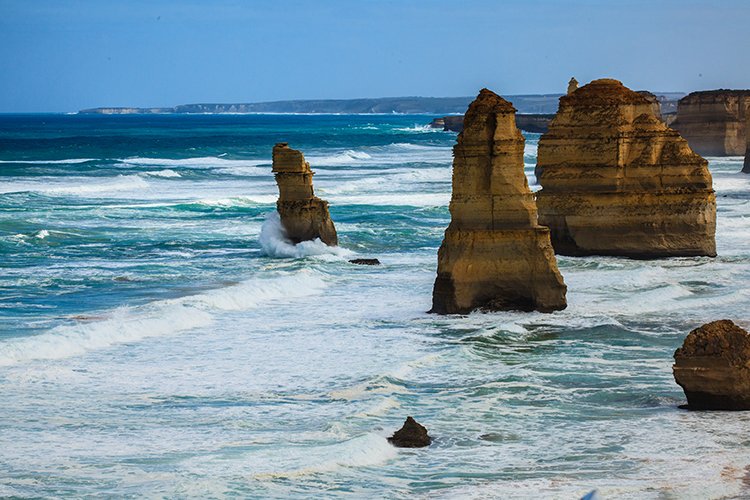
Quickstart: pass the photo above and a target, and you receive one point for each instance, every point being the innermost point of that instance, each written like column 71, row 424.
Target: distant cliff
column 543, row 103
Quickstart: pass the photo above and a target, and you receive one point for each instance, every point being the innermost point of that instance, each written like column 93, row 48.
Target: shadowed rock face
column 712, row 367
column 746, row 167
column 411, row 435
column 714, row 121
column 494, row 254
column 617, row 181
column 303, row 215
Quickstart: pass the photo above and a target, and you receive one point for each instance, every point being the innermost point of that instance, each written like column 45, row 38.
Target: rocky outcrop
column 537, row 124
column 572, row 85
column 746, row 166
column 526, row 122
column 713, row 367
column 303, row 215
column 494, row 254
column 411, row 435
column 617, row 181
column 365, row 262
column 714, row 121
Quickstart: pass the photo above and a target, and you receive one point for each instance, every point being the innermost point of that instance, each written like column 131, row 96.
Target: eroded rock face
column 713, row 367
column 494, row 254
column 411, row 435
column 714, row 121
column 617, row 181
column 746, row 167
column 303, row 215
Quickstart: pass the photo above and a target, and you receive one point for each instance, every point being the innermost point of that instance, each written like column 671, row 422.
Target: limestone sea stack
column 494, row 254
column 713, row 367
column 714, row 121
column 303, row 215
column 617, row 181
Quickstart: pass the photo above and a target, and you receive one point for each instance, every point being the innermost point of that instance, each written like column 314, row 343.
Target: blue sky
column 66, row 55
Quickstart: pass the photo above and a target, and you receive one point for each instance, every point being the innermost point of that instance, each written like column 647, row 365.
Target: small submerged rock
column 712, row 367
column 365, row 262
column 411, row 435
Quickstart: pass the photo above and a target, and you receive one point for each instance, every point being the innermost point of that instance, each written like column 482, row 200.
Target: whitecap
column 166, row 173
column 50, row 162
column 159, row 318
column 275, row 243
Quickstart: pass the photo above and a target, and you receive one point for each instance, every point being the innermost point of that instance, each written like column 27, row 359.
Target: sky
column 66, row 55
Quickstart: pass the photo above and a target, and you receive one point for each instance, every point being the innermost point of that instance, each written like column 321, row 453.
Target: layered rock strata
column 303, row 215
column 713, row 367
column 494, row 254
column 617, row 181
column 714, row 121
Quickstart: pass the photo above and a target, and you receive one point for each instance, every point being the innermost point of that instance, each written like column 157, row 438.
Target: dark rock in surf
column 365, row 262
column 411, row 435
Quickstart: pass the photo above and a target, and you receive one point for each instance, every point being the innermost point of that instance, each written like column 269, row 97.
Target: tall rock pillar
column 303, row 215
column 494, row 254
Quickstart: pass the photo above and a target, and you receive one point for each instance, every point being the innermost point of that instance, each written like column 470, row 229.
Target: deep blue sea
column 153, row 343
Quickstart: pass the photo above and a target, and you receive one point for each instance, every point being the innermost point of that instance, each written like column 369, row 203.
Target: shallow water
column 149, row 347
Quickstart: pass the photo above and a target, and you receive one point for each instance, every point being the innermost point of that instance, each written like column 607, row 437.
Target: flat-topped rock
column 494, row 254
column 713, row 367
column 304, row 216
column 714, row 121
column 617, row 181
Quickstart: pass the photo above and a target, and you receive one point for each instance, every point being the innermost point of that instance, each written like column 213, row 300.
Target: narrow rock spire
column 303, row 215
column 494, row 254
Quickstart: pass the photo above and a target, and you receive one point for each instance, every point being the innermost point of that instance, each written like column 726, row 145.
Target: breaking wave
column 275, row 243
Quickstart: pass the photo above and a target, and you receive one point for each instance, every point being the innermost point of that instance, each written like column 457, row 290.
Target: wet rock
column 617, row 181
column 365, row 262
column 411, row 435
column 304, row 216
column 494, row 255
column 713, row 367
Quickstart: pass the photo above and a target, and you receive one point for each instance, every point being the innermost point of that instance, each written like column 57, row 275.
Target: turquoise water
column 150, row 346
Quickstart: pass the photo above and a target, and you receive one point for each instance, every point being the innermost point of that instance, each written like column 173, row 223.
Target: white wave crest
column 344, row 158
column 363, row 451
column 275, row 243
column 199, row 162
column 80, row 186
column 164, row 317
column 167, row 173
column 50, row 162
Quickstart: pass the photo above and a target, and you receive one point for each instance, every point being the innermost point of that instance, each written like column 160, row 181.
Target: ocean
column 158, row 339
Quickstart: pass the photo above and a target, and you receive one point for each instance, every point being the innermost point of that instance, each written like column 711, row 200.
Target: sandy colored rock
column 494, row 254
column 303, row 215
column 617, row 181
column 714, row 121
column 572, row 85
column 713, row 367
column 411, row 435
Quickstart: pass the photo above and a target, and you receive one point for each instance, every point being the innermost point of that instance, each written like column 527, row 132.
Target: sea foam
column 275, row 243
column 158, row 318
